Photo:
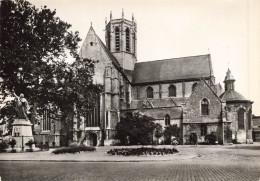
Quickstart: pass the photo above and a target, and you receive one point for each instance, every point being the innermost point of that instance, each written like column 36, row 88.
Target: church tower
column 121, row 40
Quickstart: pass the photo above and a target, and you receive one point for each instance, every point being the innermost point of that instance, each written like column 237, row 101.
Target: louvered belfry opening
column 127, row 34
column 117, row 38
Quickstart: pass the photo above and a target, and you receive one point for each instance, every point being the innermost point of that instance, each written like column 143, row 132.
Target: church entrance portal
column 93, row 139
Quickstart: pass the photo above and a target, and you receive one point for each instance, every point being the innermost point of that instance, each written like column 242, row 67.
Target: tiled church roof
column 192, row 67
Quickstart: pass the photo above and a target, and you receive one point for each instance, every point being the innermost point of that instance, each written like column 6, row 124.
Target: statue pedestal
column 22, row 133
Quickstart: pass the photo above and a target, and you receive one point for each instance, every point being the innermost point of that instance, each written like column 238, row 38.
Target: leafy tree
column 135, row 128
column 7, row 114
column 33, row 41
column 34, row 45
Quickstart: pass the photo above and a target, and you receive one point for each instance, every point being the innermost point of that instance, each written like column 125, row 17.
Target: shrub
column 3, row 146
column 142, row 151
column 30, row 143
column 169, row 132
column 211, row 139
column 73, row 149
column 12, row 143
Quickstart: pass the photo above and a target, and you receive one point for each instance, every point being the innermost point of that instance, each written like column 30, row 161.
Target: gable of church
column 94, row 49
column 204, row 106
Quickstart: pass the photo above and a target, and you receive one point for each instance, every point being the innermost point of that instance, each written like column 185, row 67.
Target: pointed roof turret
column 229, row 81
column 230, row 95
column 229, row 76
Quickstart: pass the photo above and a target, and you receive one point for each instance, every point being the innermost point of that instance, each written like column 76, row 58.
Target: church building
column 175, row 91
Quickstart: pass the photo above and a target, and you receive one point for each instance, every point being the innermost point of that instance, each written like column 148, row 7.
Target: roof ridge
column 173, row 58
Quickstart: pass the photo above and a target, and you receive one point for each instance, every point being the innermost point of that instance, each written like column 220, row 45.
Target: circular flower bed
column 142, row 151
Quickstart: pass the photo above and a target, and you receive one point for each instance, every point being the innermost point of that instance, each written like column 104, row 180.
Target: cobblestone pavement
column 220, row 163
column 183, row 171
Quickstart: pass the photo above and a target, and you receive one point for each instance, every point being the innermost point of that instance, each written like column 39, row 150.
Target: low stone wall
column 49, row 138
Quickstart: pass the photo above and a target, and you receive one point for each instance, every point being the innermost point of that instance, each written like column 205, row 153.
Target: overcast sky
column 227, row 29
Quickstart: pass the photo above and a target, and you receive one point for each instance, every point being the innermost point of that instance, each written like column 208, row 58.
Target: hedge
column 3, row 146
column 73, row 149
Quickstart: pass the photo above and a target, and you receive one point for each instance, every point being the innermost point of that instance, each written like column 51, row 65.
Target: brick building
column 180, row 91
column 256, row 128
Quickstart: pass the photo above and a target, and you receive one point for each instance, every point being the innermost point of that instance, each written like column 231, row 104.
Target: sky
column 229, row 30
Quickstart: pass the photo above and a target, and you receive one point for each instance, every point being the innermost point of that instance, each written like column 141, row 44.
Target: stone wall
column 214, row 128
column 183, row 89
column 240, row 135
column 192, row 110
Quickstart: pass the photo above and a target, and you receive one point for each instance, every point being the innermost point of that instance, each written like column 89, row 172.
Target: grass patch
column 73, row 149
column 142, row 151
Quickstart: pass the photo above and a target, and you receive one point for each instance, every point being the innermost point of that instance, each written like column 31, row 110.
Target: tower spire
column 122, row 13
column 133, row 17
column 110, row 15
column 106, row 21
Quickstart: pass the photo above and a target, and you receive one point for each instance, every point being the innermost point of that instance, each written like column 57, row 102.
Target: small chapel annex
column 180, row 91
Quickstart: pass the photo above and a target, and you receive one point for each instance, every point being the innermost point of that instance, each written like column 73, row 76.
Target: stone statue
column 21, row 107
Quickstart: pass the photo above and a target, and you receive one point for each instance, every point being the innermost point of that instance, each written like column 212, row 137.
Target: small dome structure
column 230, row 95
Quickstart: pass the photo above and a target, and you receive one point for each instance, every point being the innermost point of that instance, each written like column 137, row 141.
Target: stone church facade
column 176, row 91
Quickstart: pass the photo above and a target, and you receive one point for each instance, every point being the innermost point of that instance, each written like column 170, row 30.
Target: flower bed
column 73, row 149
column 142, row 151
column 3, row 147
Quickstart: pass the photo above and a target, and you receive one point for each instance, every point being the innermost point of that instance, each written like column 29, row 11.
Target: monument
column 22, row 127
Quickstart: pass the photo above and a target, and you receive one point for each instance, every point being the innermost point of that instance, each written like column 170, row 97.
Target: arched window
column 193, row 86
column 108, row 40
column 117, row 39
column 46, row 126
column 107, row 124
column 249, row 118
column 127, row 38
column 149, row 92
column 172, row 91
column 167, row 119
column 241, row 118
column 204, row 107
column 133, row 43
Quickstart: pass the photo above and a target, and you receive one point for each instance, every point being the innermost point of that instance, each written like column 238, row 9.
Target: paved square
column 224, row 163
